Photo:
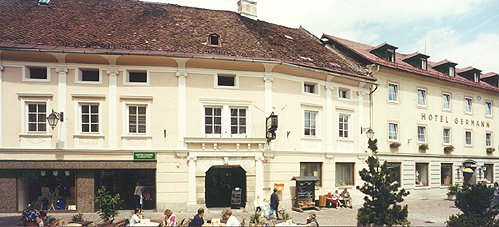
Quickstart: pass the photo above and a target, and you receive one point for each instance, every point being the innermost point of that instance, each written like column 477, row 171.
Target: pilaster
column 259, row 176
column 191, row 198
column 1, row 104
column 182, row 111
column 62, row 72
column 112, row 73
column 329, row 117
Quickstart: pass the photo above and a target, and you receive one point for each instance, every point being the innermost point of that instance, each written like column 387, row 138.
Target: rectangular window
column 238, row 120
column 310, row 123
column 475, row 77
column 467, row 136
column 467, row 103
column 393, row 92
column 446, row 135
column 393, row 131
column 451, row 71
column 137, row 77
column 37, row 73
column 424, row 64
column 37, row 117
column 488, row 108
column 343, row 125
column 421, row 174
column 309, row 88
column 390, row 55
column 226, row 80
column 311, row 169
column 488, row 173
column 137, row 119
column 394, row 168
column 421, row 97
column 446, row 174
column 213, row 120
column 343, row 93
column 446, row 101
column 90, row 75
column 488, row 139
column 89, row 117
column 344, row 174
column 421, row 134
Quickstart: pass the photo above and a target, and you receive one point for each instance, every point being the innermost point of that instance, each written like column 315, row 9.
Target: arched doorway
column 219, row 183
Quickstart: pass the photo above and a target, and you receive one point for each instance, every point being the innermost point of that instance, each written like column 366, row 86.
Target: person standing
column 274, row 204
column 137, row 195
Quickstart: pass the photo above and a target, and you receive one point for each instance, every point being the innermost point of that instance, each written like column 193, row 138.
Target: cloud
column 482, row 51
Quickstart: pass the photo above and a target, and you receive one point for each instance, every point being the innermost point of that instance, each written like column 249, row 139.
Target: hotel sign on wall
column 456, row 120
column 144, row 156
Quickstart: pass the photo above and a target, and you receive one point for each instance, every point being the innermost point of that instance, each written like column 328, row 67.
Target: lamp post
column 54, row 117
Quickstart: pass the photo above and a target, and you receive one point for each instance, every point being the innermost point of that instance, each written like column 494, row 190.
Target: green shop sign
column 144, row 156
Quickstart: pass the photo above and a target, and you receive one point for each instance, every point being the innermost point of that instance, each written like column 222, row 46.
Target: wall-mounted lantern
column 271, row 122
column 54, row 118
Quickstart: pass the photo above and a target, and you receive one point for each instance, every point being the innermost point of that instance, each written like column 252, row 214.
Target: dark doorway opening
column 124, row 182
column 219, row 183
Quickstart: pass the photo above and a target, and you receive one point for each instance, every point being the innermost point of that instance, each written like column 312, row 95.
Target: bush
column 475, row 203
column 77, row 217
column 454, row 189
column 107, row 204
column 255, row 218
column 284, row 215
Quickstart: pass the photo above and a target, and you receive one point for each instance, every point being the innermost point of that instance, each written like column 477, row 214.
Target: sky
column 462, row 31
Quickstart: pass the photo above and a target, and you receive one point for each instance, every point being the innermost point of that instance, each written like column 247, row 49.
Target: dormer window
column 214, row 40
column 385, row 51
column 390, row 55
column 475, row 77
column 424, row 64
column 452, row 71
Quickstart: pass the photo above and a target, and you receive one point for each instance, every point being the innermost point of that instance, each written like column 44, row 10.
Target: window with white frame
column 446, row 101
column 137, row 77
column 393, row 92
column 137, row 119
column 488, row 108
column 89, row 117
column 446, row 174
column 467, row 138
column 475, row 77
column 421, row 134
column 37, row 73
column 36, row 117
column 421, row 97
column 452, row 71
column 213, row 120
column 488, row 139
column 226, row 80
column 343, row 125
column 310, row 119
column 424, row 63
column 467, row 105
column 344, row 174
column 446, row 136
column 89, row 75
column 310, row 88
column 312, row 169
column 237, row 120
column 393, row 133
column 421, row 174
column 343, row 93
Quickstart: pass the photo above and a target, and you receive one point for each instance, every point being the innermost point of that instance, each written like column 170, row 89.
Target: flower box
column 448, row 149
column 424, row 147
column 395, row 145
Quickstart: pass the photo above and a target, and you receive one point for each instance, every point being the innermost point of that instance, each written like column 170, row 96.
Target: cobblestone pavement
column 430, row 212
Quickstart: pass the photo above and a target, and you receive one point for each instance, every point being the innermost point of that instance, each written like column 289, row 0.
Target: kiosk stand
column 305, row 193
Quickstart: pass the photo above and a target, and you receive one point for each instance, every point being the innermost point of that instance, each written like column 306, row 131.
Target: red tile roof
column 136, row 27
column 487, row 75
column 363, row 51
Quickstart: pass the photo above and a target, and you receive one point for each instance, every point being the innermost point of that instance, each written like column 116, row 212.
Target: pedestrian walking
column 274, row 204
column 137, row 195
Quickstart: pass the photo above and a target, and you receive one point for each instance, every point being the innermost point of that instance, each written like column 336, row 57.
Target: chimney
column 247, row 8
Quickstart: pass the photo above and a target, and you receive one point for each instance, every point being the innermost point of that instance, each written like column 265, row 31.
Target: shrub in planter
column 424, row 147
column 448, row 149
column 453, row 190
column 77, row 218
column 395, row 145
column 490, row 150
column 474, row 201
column 107, row 204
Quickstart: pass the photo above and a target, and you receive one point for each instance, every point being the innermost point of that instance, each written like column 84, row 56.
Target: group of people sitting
column 338, row 200
column 227, row 219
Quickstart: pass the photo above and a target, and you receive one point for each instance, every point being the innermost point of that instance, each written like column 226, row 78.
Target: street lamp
column 54, row 118
column 370, row 134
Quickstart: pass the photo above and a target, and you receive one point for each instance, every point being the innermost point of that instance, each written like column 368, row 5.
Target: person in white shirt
column 231, row 220
column 135, row 219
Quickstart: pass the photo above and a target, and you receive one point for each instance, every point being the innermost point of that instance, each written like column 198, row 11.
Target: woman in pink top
column 170, row 218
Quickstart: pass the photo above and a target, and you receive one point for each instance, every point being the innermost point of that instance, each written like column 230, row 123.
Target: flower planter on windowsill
column 395, row 145
column 423, row 147
column 448, row 149
column 490, row 150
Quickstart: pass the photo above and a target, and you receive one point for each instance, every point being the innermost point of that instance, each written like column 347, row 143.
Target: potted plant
column 395, row 145
column 255, row 220
column 452, row 191
column 490, row 150
column 448, row 149
column 284, row 215
column 107, row 204
column 424, row 147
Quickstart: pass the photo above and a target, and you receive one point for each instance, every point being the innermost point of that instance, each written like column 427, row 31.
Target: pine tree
column 381, row 203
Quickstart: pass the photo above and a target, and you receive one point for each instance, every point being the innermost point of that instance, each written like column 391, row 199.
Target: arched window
column 214, row 40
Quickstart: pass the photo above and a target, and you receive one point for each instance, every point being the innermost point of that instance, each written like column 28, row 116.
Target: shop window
column 421, row 174
column 312, row 169
column 394, row 168
column 54, row 189
column 488, row 173
column 344, row 174
column 446, row 174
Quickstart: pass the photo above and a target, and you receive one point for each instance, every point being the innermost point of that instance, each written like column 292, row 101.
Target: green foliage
column 107, row 204
column 284, row 215
column 373, row 145
column 475, row 203
column 453, row 189
column 77, row 217
column 255, row 218
column 382, row 195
